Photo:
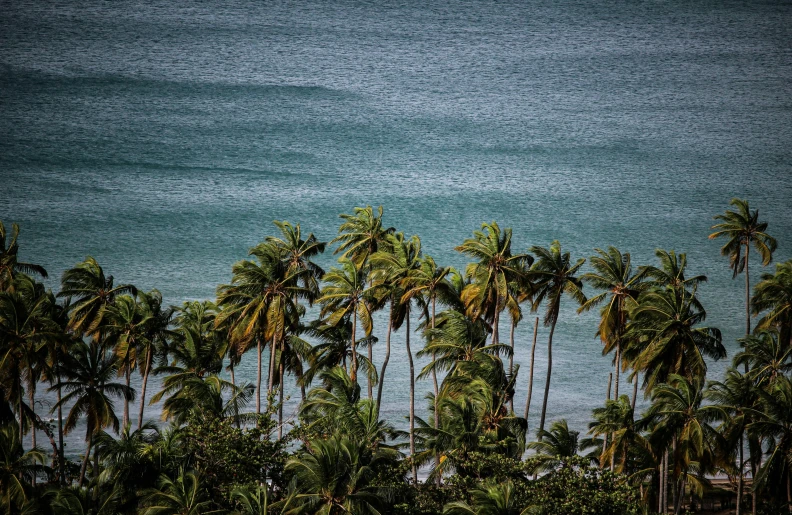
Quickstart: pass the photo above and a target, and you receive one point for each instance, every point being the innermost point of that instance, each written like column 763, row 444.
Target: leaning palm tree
column 89, row 371
column 773, row 296
column 554, row 276
column 559, row 443
column 346, row 296
column 742, row 228
column 157, row 338
column 10, row 265
column 361, row 235
column 90, row 292
column 495, row 267
column 613, row 273
column 260, row 305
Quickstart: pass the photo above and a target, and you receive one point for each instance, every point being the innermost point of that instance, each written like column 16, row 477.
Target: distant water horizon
column 164, row 139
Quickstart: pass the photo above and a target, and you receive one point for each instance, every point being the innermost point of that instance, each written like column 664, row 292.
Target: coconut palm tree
column 560, row 443
column 666, row 337
column 10, row 265
column 297, row 254
column 90, row 293
column 742, row 228
column 157, row 338
column 333, row 349
column 554, row 276
column 346, row 296
column 773, row 295
column 492, row 498
column 260, row 302
column 737, row 398
column 125, row 463
column 765, row 356
column 253, row 500
column 183, row 495
column 361, row 235
column 17, row 469
column 495, row 267
column 671, row 273
column 89, row 371
column 333, row 477
column 613, row 273
column 616, row 421
column 395, row 267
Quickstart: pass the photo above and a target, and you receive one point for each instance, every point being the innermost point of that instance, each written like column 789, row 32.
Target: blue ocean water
column 164, row 138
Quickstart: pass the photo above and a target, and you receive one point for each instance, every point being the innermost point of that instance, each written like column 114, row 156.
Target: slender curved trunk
column 61, row 475
column 353, row 371
column 605, row 436
column 84, row 467
column 531, row 370
column 665, row 482
column 680, row 485
column 635, row 390
column 370, row 384
column 412, row 400
column 496, row 321
column 280, row 398
column 127, row 382
column 384, row 361
column 258, row 377
column 549, row 373
column 660, row 471
column 146, row 371
column 32, row 396
column 675, row 483
column 511, row 361
column 617, row 372
column 233, row 383
column 740, row 480
column 747, row 297
column 21, row 412
column 273, row 351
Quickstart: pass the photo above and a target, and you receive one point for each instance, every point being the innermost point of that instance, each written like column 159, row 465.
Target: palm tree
column 261, row 303
column 17, row 469
column 616, row 422
column 89, row 370
column 666, row 339
column 183, row 495
column 560, row 443
column 297, row 255
column 125, row 461
column 157, row 337
column 333, row 477
column 10, row 264
column 491, row 498
column 765, row 356
column 671, row 273
column 90, row 293
column 361, row 235
column 677, row 411
column 743, row 228
column 494, row 269
column 554, row 275
column 395, row 267
column 253, row 499
column 613, row 273
column 773, row 294
column 333, row 349
column 737, row 398
column 345, row 296
column 204, row 397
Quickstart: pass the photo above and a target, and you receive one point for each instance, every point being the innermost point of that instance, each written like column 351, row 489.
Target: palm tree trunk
column 146, row 371
column 384, row 362
column 412, row 400
column 605, row 436
column 258, row 378
column 617, row 372
column 61, row 475
column 353, row 370
column 32, row 396
column 740, row 480
column 531, row 370
column 280, row 397
column 273, row 350
column 126, row 399
column 747, row 298
column 496, row 321
column 547, row 381
column 233, row 383
column 665, row 482
column 635, row 390
column 675, row 483
column 21, row 413
column 679, row 495
column 660, row 485
column 511, row 360
column 370, row 385
column 438, row 479
column 84, row 467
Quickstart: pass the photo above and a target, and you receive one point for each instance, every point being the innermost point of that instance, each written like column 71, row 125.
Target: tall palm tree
column 395, row 267
column 10, row 265
column 298, row 253
column 17, row 469
column 742, row 228
column 560, row 442
column 183, row 495
column 667, row 338
column 346, row 296
column 554, row 276
column 737, row 398
column 495, row 267
column 613, row 273
column 616, row 422
column 90, row 293
column 89, row 371
column 157, row 338
column 361, row 235
column 773, row 295
column 261, row 303
column 671, row 273
column 765, row 356
column 491, row 498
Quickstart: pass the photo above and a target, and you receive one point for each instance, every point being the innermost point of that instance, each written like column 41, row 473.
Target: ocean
column 164, row 138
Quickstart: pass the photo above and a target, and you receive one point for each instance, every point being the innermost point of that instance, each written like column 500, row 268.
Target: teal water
column 164, row 138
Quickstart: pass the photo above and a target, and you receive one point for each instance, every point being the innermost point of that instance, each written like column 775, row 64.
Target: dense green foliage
column 218, row 454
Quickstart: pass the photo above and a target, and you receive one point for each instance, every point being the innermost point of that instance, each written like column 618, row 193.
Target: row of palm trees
column 650, row 320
